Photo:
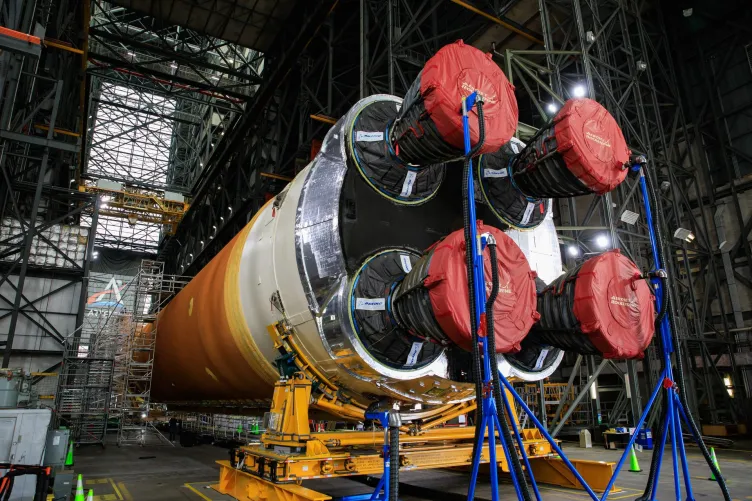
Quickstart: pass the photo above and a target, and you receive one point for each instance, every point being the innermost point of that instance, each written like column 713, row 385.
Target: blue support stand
column 671, row 427
column 383, row 485
column 490, row 423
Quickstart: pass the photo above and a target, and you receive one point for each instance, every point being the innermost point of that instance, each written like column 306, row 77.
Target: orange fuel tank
column 205, row 350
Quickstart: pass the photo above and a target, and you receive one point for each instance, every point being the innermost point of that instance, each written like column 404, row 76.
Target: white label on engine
column 407, row 186
column 528, row 213
column 516, row 144
column 373, row 304
column 406, row 264
column 412, row 357
column 495, row 173
column 541, row 359
column 369, row 137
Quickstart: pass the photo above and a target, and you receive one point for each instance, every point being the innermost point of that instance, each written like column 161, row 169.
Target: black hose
column 679, row 372
column 513, row 458
column 393, row 462
column 664, row 304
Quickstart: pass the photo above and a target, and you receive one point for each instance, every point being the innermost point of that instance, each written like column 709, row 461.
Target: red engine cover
column 515, row 306
column 592, row 144
column 614, row 306
column 453, row 73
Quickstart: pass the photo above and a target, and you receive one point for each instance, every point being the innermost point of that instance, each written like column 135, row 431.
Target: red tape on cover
column 453, row 73
column 592, row 144
column 614, row 307
column 515, row 306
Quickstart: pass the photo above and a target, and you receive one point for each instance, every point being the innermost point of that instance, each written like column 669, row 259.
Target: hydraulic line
column 514, row 459
column 679, row 372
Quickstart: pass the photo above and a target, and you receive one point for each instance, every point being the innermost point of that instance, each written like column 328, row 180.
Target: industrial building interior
column 241, row 243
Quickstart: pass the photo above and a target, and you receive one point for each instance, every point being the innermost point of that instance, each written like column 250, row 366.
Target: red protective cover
column 614, row 306
column 592, row 144
column 515, row 306
column 454, row 72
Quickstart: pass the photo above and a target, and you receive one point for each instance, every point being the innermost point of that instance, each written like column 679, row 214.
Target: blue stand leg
column 623, row 457
column 548, row 437
column 521, row 445
column 682, row 450
column 672, row 429
column 659, row 460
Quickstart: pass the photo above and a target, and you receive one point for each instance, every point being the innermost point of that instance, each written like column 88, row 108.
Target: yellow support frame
column 289, row 453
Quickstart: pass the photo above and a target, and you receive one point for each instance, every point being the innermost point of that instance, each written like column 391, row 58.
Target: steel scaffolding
column 85, row 400
column 134, row 360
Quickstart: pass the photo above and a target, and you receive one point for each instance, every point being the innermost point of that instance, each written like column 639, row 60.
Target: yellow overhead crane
column 136, row 205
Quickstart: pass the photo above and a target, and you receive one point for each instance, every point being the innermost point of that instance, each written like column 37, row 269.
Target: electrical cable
column 513, row 457
column 679, row 372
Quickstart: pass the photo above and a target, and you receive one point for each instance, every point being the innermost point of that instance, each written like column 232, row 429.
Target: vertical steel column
column 31, row 230
column 583, row 392
column 543, row 417
column 390, row 43
column 595, row 397
column 633, row 390
column 87, row 267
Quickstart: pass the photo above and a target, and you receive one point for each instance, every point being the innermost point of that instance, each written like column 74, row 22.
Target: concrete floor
column 176, row 473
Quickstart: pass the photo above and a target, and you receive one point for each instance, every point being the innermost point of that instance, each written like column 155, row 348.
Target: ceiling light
column 573, row 250
column 552, row 107
column 602, row 241
column 684, row 234
column 579, row 91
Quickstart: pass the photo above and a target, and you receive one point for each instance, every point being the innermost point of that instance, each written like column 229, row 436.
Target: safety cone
column 80, row 489
column 633, row 464
column 90, row 496
column 69, row 457
column 715, row 462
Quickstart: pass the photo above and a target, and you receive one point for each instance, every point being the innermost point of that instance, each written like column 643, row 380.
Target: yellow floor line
column 124, row 490
column 196, row 491
column 117, row 491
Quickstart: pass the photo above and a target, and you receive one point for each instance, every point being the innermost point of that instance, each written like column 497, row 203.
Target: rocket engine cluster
column 361, row 256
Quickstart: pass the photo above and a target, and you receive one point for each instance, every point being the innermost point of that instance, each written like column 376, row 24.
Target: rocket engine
column 361, row 256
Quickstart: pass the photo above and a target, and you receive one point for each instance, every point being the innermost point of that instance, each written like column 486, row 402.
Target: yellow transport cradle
column 289, row 453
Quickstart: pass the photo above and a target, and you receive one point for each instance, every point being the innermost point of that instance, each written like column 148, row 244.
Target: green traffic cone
column 90, row 496
column 633, row 464
column 69, row 457
column 715, row 462
column 79, row 489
